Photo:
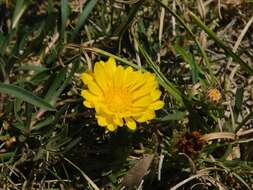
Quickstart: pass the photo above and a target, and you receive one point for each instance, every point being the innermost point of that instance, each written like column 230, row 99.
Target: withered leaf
column 135, row 174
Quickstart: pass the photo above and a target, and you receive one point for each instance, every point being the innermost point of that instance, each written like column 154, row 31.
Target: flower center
column 118, row 100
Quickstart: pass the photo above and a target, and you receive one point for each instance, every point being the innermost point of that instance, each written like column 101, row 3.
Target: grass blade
column 20, row 8
column 177, row 115
column 108, row 54
column 64, row 15
column 124, row 25
column 84, row 15
column 195, row 70
column 60, row 82
column 6, row 156
column 24, row 95
column 239, row 99
column 44, row 123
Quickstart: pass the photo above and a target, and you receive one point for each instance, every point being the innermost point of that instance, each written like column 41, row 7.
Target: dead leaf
column 135, row 174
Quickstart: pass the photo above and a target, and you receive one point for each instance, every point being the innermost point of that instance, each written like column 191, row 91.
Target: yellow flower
column 121, row 96
column 214, row 95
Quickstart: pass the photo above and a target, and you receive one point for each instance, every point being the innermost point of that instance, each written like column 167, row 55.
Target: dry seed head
column 10, row 141
column 214, row 95
column 190, row 143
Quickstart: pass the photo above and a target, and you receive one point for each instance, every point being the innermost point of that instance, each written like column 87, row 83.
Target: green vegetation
column 201, row 53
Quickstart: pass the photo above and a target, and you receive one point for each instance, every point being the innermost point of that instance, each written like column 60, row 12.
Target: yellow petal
column 94, row 88
column 157, row 105
column 111, row 61
column 88, row 96
column 88, row 104
column 119, row 77
column 143, row 102
column 130, row 76
column 118, row 121
column 131, row 124
column 146, row 116
column 111, row 127
column 144, row 90
column 101, row 121
column 86, row 78
column 110, row 67
column 136, row 80
column 150, row 77
column 155, row 94
column 99, row 75
column 101, row 108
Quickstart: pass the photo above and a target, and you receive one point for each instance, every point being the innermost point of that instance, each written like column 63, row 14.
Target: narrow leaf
column 44, row 123
column 64, row 15
column 239, row 98
column 84, row 15
column 178, row 115
column 195, row 70
column 24, row 95
column 6, row 156
column 125, row 24
column 60, row 82
column 33, row 68
column 20, row 8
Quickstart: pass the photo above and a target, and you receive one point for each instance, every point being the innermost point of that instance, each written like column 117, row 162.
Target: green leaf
column 239, row 98
column 64, row 15
column 50, row 7
column 2, row 71
column 20, row 126
column 72, row 144
column 84, row 15
column 20, row 8
column 41, row 76
column 60, row 82
column 6, row 156
column 190, row 60
column 130, row 17
column 108, row 54
column 33, row 68
column 55, row 85
column 178, row 115
column 44, row 123
column 24, row 95
column 244, row 121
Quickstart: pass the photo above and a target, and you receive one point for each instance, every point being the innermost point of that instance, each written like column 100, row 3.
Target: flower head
column 214, row 95
column 121, row 96
column 190, row 143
